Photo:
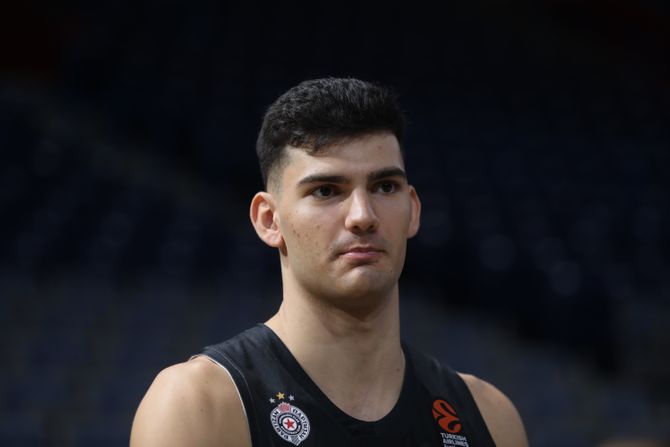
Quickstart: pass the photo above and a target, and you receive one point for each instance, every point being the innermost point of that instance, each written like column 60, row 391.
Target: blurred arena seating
column 542, row 265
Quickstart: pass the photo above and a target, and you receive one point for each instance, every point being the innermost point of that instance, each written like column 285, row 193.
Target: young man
column 329, row 368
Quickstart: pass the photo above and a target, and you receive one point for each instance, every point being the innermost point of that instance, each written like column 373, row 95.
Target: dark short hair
column 319, row 113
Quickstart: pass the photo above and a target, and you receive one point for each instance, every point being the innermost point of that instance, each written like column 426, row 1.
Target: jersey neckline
column 287, row 359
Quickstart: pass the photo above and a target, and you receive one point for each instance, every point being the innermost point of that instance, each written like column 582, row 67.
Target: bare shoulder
column 191, row 403
column 501, row 417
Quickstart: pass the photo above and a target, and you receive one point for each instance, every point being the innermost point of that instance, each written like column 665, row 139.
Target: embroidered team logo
column 448, row 420
column 290, row 423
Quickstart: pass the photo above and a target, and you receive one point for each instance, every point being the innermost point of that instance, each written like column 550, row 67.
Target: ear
column 415, row 213
column 265, row 220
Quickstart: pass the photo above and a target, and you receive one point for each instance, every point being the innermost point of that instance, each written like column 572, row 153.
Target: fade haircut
column 319, row 113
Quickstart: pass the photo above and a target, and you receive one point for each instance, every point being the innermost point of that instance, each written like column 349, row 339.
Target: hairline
column 274, row 180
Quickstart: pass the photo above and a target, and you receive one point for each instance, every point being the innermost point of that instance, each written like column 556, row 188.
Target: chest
column 287, row 413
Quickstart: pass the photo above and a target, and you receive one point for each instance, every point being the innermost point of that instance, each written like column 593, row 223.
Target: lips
column 362, row 253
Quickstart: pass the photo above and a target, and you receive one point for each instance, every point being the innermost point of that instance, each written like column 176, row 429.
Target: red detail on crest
column 446, row 416
column 284, row 407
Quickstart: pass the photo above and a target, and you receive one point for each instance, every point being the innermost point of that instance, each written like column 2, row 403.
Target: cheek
column 398, row 218
column 302, row 230
column 310, row 231
column 293, row 229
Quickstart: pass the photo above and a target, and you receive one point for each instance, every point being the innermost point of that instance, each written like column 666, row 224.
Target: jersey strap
column 285, row 407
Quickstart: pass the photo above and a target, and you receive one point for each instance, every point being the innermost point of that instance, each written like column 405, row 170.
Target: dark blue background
column 538, row 141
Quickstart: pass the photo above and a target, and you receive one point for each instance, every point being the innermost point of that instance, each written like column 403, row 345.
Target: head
column 320, row 113
column 338, row 206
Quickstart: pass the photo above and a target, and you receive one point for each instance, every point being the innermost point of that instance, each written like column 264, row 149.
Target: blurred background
column 538, row 140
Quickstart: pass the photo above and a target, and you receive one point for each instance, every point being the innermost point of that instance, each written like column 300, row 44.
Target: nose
column 361, row 217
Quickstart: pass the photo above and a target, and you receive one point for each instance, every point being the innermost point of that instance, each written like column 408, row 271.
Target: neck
column 355, row 357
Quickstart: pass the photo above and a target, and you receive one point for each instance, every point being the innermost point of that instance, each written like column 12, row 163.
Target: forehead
column 356, row 157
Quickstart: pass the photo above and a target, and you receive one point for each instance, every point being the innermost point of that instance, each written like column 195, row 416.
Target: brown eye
column 387, row 187
column 324, row 191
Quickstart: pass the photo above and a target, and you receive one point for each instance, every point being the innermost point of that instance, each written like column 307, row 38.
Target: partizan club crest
column 289, row 421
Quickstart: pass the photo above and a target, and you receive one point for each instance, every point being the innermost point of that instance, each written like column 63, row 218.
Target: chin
column 368, row 289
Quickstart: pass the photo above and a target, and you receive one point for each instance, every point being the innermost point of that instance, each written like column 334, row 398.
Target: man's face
column 345, row 215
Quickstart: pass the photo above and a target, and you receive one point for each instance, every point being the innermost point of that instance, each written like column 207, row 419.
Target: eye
column 387, row 187
column 324, row 191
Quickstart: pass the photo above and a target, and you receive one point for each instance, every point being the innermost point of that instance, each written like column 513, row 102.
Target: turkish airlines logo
column 446, row 416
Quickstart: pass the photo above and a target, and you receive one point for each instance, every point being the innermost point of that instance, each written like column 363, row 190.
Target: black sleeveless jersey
column 284, row 406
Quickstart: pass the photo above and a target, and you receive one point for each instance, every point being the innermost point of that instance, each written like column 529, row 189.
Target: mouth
column 362, row 253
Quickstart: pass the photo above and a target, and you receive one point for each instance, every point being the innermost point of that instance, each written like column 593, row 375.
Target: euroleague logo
column 446, row 416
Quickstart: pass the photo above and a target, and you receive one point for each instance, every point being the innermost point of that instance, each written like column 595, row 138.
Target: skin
column 340, row 220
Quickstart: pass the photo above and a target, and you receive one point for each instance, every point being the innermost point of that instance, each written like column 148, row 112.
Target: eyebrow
column 387, row 172
column 373, row 176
